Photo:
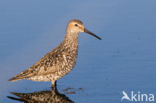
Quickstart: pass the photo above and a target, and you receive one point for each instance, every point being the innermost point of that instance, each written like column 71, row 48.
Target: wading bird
column 58, row 62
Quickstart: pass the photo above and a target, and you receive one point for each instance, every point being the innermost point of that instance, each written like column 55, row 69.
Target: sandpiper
column 58, row 62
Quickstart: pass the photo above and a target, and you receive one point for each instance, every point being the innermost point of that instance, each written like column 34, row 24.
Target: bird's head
column 76, row 26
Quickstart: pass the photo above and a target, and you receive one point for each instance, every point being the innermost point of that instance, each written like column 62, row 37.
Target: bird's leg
column 56, row 86
column 53, row 86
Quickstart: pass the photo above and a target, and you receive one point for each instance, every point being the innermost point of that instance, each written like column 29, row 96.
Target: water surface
column 124, row 60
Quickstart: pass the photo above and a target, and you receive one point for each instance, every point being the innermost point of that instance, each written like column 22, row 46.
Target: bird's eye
column 76, row 24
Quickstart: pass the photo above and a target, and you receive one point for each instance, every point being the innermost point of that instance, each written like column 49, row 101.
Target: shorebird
column 58, row 62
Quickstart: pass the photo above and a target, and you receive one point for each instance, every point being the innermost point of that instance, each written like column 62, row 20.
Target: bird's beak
column 87, row 31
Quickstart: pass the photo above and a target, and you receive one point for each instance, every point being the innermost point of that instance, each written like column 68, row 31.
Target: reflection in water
column 52, row 96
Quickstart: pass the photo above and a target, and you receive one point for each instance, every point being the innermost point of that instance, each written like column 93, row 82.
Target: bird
column 59, row 61
column 47, row 96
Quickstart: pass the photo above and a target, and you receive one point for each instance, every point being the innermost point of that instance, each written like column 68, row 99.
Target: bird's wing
column 47, row 64
column 50, row 63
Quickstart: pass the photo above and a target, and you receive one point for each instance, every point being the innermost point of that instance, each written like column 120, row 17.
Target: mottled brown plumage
column 59, row 61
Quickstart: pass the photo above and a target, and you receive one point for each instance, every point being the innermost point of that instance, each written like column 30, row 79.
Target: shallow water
column 125, row 60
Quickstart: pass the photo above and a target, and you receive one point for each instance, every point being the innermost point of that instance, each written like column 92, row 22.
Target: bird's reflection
column 51, row 96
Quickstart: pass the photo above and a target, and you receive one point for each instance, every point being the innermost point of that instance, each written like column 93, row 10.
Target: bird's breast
column 70, row 57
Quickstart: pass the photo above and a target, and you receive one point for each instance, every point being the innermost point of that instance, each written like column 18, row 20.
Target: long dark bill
column 87, row 31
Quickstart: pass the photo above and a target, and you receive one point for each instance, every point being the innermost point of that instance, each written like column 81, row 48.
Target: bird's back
column 58, row 62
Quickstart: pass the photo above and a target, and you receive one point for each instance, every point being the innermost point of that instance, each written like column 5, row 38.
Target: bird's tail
column 14, row 79
column 17, row 77
column 23, row 75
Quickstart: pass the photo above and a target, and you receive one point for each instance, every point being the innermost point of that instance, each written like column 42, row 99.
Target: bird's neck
column 71, row 39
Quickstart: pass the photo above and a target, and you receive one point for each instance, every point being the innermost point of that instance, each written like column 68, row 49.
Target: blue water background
column 125, row 58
